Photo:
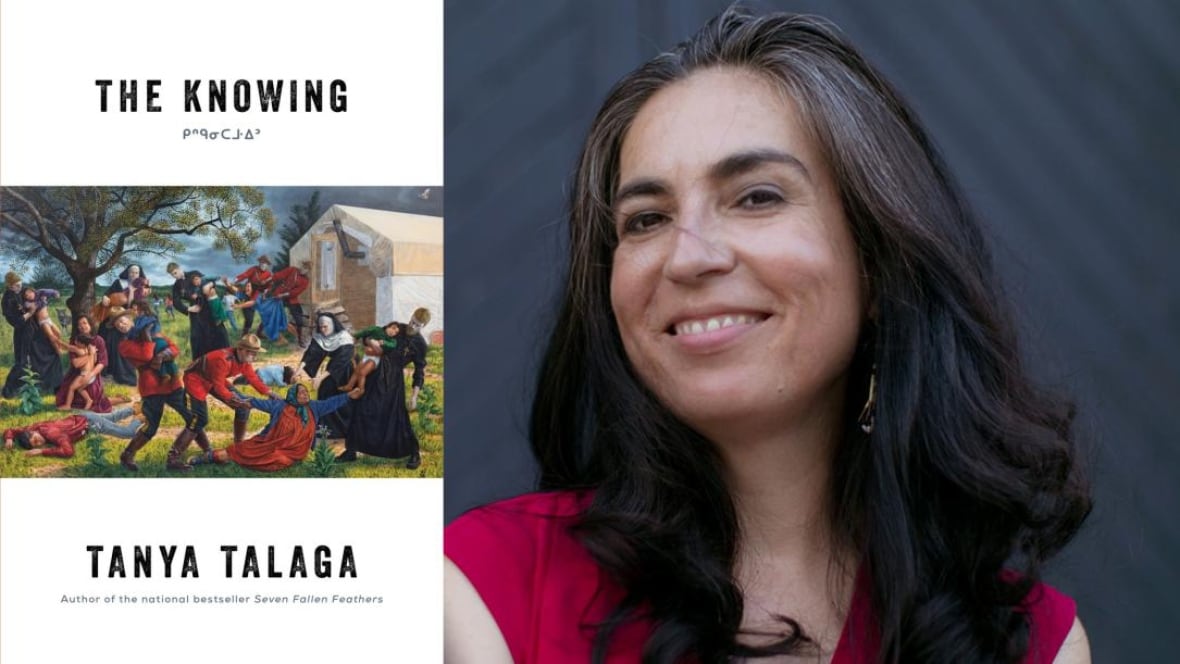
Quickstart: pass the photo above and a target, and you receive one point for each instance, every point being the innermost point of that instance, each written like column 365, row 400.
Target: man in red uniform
column 56, row 438
column 259, row 277
column 210, row 375
column 288, row 284
column 158, row 389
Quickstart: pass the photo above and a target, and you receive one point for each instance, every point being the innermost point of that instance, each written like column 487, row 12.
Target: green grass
column 104, row 462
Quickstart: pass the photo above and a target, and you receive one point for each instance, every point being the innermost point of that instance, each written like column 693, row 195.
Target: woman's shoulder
column 519, row 520
column 526, row 528
column 515, row 538
column 1051, row 616
column 526, row 567
column 540, row 504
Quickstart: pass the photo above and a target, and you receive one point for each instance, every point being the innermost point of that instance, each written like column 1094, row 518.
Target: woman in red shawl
column 287, row 438
column 85, row 334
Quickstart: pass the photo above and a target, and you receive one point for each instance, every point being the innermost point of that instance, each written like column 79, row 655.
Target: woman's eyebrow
column 748, row 160
column 639, row 188
column 734, row 164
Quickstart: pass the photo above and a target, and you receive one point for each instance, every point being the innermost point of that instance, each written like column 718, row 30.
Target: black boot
column 414, row 462
column 176, row 453
column 127, row 458
column 239, row 429
column 203, row 441
column 346, row 456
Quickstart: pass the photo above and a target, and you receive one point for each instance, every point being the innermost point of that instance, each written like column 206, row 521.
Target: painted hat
column 250, row 342
column 420, row 317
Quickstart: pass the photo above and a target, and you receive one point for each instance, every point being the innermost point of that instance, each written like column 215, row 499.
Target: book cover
column 222, row 356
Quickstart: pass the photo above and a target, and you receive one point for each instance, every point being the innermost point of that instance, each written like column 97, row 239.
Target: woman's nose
column 698, row 249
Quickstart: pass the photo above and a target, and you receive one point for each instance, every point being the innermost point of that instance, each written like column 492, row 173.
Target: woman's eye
column 643, row 222
column 760, row 198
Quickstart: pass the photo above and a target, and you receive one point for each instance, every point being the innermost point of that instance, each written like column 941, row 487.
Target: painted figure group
column 270, row 296
column 360, row 399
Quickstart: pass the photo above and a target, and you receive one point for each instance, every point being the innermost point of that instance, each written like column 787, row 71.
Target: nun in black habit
column 380, row 423
column 333, row 343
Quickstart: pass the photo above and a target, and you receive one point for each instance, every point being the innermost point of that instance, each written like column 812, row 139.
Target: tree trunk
column 83, row 298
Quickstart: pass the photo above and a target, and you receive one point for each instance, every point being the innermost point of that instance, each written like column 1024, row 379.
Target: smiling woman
column 736, row 284
column 782, row 413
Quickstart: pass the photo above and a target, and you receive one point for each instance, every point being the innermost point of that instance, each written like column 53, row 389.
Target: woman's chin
column 718, row 409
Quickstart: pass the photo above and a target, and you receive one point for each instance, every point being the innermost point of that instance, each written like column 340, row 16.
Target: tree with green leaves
column 48, row 274
column 91, row 230
column 302, row 218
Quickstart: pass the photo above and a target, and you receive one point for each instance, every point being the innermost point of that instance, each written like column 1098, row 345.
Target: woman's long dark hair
column 970, row 469
column 85, row 339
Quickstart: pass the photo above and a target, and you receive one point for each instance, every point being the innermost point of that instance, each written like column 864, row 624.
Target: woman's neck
column 778, row 468
column 789, row 560
column 781, row 487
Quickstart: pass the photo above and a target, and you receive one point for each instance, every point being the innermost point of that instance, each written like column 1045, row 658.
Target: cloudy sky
column 201, row 255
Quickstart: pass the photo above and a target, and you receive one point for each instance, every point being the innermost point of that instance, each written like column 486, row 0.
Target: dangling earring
column 868, row 415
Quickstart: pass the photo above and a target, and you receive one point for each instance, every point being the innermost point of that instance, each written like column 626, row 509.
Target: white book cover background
column 52, row 132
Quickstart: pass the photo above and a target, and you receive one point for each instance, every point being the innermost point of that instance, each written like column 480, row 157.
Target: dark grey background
column 1060, row 120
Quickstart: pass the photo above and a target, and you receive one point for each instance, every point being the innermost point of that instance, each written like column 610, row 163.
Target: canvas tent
column 374, row 266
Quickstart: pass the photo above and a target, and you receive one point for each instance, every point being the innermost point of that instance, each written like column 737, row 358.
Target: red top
column 289, row 282
column 211, row 373
column 539, row 584
column 257, row 276
column 60, row 434
column 139, row 354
